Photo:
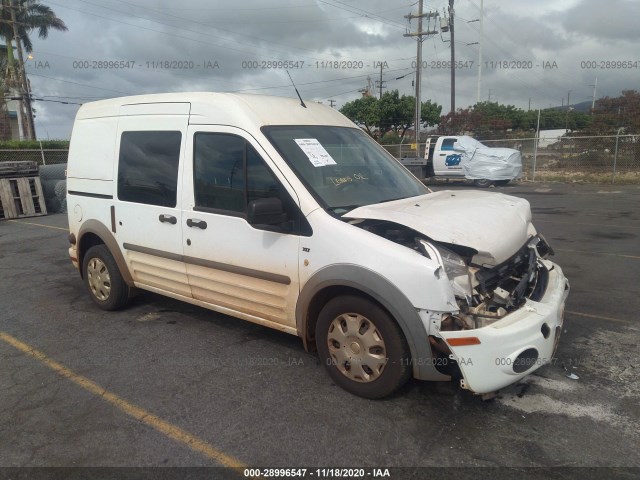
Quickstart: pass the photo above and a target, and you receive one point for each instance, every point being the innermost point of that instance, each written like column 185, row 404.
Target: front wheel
column 502, row 183
column 102, row 277
column 363, row 348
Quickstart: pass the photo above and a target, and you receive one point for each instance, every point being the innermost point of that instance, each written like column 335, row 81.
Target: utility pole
column 419, row 34
column 332, row 103
column 566, row 124
column 489, row 98
column 480, row 50
column 593, row 102
column 381, row 82
column 22, row 78
column 453, row 58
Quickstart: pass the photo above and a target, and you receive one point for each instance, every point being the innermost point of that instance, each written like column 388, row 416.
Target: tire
column 349, row 324
column 53, row 172
column 484, row 183
column 61, row 195
column 102, row 277
column 52, row 204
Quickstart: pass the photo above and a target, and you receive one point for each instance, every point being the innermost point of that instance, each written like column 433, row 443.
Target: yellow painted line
column 39, row 225
column 162, row 426
column 599, row 317
column 634, row 257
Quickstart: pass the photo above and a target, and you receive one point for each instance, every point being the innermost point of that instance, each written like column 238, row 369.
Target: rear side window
column 148, row 167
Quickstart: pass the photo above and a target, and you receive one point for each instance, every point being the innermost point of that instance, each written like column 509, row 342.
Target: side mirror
column 266, row 214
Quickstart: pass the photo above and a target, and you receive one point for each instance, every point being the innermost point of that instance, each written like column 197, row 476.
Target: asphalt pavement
column 164, row 383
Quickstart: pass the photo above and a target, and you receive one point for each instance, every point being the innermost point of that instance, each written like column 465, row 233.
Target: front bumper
column 514, row 346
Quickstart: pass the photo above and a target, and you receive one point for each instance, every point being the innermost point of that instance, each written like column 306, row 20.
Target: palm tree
column 30, row 15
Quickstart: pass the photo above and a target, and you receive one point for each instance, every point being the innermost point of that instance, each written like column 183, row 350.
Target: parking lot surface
column 164, row 383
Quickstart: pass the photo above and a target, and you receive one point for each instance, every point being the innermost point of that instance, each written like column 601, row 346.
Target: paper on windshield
column 315, row 152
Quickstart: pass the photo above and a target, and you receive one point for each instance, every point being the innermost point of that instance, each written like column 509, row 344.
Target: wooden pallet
column 11, row 169
column 21, row 197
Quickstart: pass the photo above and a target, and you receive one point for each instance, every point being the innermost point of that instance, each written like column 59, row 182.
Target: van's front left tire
column 362, row 347
column 102, row 277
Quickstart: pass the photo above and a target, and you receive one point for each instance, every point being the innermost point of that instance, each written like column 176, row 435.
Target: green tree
column 363, row 111
column 429, row 112
column 392, row 113
column 396, row 112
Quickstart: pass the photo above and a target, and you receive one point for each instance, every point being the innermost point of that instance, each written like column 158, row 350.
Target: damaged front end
column 509, row 319
column 508, row 316
column 488, row 293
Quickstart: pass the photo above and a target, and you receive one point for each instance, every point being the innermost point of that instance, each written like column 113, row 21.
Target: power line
column 80, row 84
column 54, row 101
column 160, row 31
column 364, row 13
column 177, row 17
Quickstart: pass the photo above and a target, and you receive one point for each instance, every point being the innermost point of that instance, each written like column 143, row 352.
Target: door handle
column 191, row 222
column 168, row 219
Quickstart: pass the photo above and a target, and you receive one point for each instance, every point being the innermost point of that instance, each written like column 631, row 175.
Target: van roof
column 241, row 110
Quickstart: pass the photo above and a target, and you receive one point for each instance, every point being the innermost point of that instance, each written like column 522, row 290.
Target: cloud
column 614, row 19
column 333, row 49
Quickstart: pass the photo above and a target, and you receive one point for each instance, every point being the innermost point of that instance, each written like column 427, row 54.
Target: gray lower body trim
column 248, row 272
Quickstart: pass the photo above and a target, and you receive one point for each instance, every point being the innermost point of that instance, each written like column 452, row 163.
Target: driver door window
column 229, row 174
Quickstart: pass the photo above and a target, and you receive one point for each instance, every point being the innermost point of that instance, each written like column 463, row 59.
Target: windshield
column 469, row 143
column 343, row 167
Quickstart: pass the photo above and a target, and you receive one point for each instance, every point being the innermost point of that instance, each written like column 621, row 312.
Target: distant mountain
column 577, row 107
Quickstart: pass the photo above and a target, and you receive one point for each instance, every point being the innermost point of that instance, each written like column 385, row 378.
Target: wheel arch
column 93, row 233
column 337, row 280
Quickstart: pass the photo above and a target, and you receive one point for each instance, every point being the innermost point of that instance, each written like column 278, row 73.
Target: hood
column 494, row 224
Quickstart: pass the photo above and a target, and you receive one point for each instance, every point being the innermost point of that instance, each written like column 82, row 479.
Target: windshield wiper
column 346, row 208
column 392, row 199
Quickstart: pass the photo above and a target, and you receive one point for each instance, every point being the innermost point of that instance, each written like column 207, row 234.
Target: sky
column 534, row 54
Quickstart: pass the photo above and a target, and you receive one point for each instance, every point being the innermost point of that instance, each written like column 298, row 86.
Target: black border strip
column 92, row 195
column 249, row 272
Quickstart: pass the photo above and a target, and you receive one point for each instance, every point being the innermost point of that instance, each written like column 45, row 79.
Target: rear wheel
column 102, row 277
column 483, row 182
column 363, row 348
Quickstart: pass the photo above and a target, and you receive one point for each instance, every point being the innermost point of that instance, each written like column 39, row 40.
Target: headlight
column 453, row 264
column 456, row 271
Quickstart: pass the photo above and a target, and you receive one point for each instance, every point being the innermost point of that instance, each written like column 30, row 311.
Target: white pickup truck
column 465, row 157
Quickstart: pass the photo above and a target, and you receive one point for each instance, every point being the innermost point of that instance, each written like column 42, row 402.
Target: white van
column 289, row 216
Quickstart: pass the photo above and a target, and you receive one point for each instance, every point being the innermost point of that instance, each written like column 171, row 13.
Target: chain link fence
column 598, row 159
column 40, row 156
